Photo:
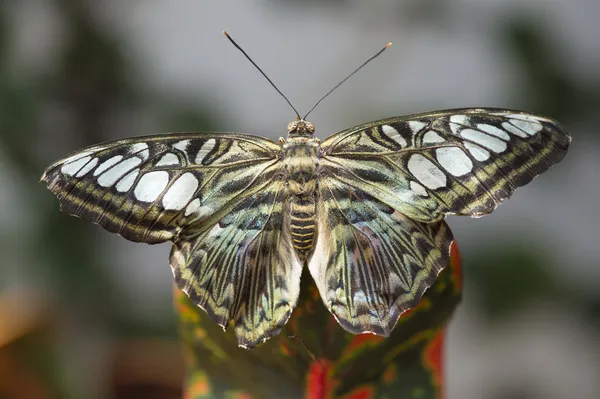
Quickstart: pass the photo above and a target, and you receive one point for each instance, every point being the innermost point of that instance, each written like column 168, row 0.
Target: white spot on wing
column 137, row 147
column 393, row 134
column 126, row 182
column 484, row 140
column 192, row 207
column 426, row 172
column 478, row 153
column 416, row 126
column 107, row 164
column 151, row 185
column 113, row 174
column 75, row 157
column 89, row 166
column 454, row 160
column 73, row 166
column 182, row 145
column 168, row 159
column 514, row 130
column 180, row 192
column 140, row 150
column 205, row 149
column 460, row 119
column 457, row 122
column 204, row 211
column 526, row 123
column 418, row 189
column 216, row 231
column 431, row 137
column 494, row 131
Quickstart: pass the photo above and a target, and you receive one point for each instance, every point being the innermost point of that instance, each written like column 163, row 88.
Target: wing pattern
column 381, row 190
column 151, row 188
column 371, row 263
column 218, row 197
column 243, row 268
column 386, row 186
column 463, row 161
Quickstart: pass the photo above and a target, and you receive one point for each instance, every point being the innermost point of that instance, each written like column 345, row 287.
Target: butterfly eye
column 309, row 127
column 292, row 126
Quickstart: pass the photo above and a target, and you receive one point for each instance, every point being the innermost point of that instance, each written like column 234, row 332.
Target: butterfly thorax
column 300, row 157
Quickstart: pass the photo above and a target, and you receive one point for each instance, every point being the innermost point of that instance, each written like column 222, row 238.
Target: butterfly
column 363, row 210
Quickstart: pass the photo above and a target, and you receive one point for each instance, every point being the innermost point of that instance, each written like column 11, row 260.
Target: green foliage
column 545, row 84
column 506, row 278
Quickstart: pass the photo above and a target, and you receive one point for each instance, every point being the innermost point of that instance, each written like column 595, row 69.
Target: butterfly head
column 300, row 127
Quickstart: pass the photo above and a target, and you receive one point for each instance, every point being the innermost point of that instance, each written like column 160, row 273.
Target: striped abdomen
column 302, row 223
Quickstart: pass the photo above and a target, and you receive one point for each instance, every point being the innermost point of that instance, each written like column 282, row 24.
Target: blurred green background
column 85, row 314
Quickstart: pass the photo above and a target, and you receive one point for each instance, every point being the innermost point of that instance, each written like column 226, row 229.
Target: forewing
column 149, row 189
column 462, row 161
column 371, row 263
column 243, row 268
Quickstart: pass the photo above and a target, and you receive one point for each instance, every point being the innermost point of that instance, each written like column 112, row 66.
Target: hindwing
column 243, row 268
column 371, row 263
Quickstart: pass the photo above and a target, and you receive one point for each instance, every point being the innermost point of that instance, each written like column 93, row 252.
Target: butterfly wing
column 463, row 161
column 218, row 197
column 243, row 268
column 386, row 186
column 371, row 263
column 149, row 189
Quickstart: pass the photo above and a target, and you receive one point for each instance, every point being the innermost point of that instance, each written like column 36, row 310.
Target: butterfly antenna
column 261, row 71
column 348, row 77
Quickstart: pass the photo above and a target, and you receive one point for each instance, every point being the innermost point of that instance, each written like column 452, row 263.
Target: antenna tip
column 227, row 34
column 386, row 46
